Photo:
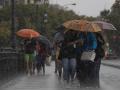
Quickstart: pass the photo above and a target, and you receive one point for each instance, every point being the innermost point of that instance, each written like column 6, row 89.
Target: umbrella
column 42, row 39
column 27, row 33
column 105, row 26
column 81, row 25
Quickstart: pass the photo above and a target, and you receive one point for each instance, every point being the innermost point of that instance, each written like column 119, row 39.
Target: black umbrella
column 46, row 42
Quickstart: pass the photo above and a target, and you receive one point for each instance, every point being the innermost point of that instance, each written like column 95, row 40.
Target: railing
column 11, row 62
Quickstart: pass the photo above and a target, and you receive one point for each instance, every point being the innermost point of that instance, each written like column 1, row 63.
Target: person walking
column 29, row 47
column 68, row 56
column 41, row 57
column 86, row 66
column 100, row 53
column 58, row 63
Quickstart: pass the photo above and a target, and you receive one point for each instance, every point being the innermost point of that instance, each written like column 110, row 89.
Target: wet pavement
column 109, row 81
column 113, row 63
column 49, row 81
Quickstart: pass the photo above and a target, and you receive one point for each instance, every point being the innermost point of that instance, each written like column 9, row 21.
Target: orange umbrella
column 92, row 27
column 75, row 24
column 81, row 25
column 28, row 33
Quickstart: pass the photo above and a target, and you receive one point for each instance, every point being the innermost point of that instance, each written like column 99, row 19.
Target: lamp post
column 13, row 37
column 45, row 17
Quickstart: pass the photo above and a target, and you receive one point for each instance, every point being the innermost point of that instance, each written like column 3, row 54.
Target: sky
column 85, row 7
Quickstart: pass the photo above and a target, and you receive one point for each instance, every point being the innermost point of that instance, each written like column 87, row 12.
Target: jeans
column 69, row 68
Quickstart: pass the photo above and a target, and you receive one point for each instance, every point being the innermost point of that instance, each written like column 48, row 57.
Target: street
column 109, row 79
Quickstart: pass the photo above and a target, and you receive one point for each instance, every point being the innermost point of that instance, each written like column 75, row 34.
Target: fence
column 11, row 62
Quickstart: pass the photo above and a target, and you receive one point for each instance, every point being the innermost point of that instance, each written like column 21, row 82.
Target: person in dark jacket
column 41, row 57
column 100, row 53
column 68, row 56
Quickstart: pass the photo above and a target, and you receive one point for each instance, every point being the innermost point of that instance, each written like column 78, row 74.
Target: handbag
column 88, row 55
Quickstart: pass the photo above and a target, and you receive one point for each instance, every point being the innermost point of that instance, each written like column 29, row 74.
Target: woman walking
column 86, row 65
column 68, row 56
column 100, row 53
column 29, row 47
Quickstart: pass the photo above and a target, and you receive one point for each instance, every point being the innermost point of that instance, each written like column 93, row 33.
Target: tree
column 33, row 16
column 104, row 14
column 115, row 19
column 113, row 16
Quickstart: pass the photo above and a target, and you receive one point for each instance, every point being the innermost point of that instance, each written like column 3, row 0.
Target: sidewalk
column 113, row 63
column 49, row 81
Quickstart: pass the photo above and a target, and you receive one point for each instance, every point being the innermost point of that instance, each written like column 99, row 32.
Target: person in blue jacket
column 85, row 68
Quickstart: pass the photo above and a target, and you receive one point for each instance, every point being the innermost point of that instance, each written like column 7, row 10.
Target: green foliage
column 104, row 13
column 4, row 33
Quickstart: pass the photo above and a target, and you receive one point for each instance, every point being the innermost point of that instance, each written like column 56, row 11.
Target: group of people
column 80, row 54
column 35, row 56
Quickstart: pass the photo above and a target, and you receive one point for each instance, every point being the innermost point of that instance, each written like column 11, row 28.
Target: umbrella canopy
column 75, row 24
column 42, row 39
column 27, row 33
column 105, row 26
column 92, row 27
column 81, row 25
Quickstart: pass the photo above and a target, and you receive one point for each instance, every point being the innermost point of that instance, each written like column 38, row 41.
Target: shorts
column 29, row 57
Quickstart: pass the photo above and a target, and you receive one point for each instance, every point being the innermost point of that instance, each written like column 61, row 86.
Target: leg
column 91, row 74
column 60, row 69
column 34, row 64
column 31, row 66
column 72, row 67
column 38, row 65
column 43, row 66
column 27, row 63
column 55, row 66
column 38, row 68
column 97, row 70
column 31, row 60
column 65, row 69
column 82, row 73
column 27, row 66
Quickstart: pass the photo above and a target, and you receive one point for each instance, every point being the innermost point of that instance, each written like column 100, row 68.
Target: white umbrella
column 105, row 26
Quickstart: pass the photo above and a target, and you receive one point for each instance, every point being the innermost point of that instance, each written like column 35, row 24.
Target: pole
column 13, row 37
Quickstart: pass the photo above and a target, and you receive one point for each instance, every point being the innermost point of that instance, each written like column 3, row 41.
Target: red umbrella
column 28, row 33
